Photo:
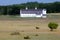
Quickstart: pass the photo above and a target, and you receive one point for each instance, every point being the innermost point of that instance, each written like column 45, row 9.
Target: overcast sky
column 10, row 2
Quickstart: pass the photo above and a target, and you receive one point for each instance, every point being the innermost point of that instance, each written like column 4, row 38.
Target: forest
column 15, row 8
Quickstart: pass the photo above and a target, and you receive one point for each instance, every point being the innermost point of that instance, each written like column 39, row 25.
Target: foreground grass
column 8, row 24
column 41, row 36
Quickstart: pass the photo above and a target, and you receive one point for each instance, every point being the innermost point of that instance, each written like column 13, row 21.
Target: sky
column 11, row 2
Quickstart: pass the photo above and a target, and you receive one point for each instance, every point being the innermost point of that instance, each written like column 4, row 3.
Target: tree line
column 15, row 9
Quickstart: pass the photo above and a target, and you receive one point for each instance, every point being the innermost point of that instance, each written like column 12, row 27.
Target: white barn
column 33, row 12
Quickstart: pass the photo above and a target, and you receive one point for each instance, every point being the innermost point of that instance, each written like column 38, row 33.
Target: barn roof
column 32, row 11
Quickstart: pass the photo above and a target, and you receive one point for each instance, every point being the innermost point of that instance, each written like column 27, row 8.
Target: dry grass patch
column 15, row 33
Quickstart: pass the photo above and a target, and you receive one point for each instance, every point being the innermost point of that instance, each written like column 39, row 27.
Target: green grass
column 17, row 17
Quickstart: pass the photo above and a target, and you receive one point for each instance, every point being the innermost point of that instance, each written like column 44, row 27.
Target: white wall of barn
column 44, row 13
column 28, row 15
column 39, row 15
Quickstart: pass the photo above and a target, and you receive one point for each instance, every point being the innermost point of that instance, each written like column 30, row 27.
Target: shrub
column 15, row 33
column 26, row 37
column 36, row 35
column 37, row 27
column 52, row 25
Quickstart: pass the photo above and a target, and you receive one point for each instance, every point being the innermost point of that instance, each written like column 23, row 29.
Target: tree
column 52, row 25
column 15, row 8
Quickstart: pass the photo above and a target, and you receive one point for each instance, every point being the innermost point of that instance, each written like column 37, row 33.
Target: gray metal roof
column 31, row 11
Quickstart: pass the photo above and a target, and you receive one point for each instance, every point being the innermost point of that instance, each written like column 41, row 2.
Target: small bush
column 37, row 27
column 36, row 35
column 52, row 25
column 15, row 33
column 26, row 37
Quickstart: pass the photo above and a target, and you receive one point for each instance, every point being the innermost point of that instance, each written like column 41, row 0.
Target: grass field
column 41, row 36
column 26, row 27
